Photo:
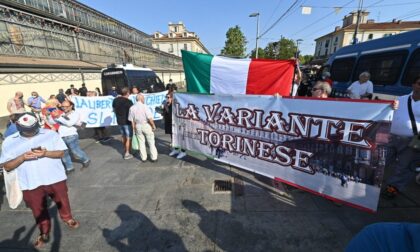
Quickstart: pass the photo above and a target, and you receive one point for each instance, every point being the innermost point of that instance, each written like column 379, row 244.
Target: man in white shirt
column 35, row 154
column 297, row 80
column 406, row 158
column 143, row 127
column 363, row 88
column 68, row 133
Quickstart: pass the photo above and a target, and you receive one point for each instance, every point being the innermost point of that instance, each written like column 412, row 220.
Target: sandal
column 72, row 223
column 41, row 240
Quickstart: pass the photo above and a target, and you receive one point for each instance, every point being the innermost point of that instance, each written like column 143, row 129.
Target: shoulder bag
column 13, row 192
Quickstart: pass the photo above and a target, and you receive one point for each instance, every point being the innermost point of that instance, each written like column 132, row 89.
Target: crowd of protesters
column 57, row 114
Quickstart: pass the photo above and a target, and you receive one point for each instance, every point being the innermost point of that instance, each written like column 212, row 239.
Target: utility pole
column 297, row 48
column 256, row 14
column 359, row 10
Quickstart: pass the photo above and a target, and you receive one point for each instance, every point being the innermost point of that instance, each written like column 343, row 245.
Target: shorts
column 126, row 130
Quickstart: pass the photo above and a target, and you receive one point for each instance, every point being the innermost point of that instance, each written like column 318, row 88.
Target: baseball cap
column 27, row 123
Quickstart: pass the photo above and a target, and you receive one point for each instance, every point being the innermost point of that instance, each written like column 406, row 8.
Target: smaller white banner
column 97, row 111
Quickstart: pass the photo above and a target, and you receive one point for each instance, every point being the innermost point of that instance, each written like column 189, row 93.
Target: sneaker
column 86, row 164
column 128, row 156
column 68, row 171
column 174, row 152
column 154, row 161
column 390, row 192
column 181, row 155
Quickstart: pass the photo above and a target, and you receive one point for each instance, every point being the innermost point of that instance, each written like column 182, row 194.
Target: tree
column 282, row 49
column 305, row 59
column 287, row 48
column 235, row 44
column 261, row 53
column 271, row 51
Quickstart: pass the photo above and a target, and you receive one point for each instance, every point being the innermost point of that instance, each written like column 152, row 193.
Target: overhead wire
column 413, row 15
column 409, row 13
column 322, row 18
column 280, row 18
column 374, row 5
column 272, row 14
column 304, row 28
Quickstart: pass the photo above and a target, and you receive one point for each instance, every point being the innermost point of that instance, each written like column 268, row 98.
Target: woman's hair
column 71, row 104
column 324, row 86
column 367, row 74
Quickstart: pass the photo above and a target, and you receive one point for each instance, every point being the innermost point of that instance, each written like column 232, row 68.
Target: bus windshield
column 113, row 78
column 146, row 81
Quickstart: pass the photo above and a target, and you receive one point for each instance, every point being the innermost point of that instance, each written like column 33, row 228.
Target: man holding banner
column 405, row 128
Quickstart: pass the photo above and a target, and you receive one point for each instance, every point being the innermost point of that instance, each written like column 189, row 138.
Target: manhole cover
column 222, row 186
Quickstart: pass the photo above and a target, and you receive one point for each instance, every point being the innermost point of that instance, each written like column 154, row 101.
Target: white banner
column 332, row 148
column 97, row 111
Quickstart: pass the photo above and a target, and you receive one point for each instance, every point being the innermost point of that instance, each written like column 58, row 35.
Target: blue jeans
column 126, row 130
column 73, row 146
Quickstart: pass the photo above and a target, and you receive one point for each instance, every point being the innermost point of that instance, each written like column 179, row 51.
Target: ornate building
column 178, row 38
column 368, row 29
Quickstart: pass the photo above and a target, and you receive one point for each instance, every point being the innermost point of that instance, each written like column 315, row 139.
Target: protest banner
column 333, row 148
column 97, row 111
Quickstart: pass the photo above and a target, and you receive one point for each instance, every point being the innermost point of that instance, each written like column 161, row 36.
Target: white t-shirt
column 401, row 123
column 295, row 88
column 67, row 126
column 357, row 89
column 38, row 172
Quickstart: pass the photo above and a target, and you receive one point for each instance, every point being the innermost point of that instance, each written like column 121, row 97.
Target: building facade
column 49, row 44
column 368, row 30
column 178, row 38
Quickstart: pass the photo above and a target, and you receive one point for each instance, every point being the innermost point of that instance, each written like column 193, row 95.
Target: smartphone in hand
column 36, row 148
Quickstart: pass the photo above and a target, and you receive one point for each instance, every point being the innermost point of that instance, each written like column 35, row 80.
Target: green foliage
column 305, row 59
column 282, row 49
column 261, row 53
column 271, row 50
column 235, row 44
column 287, row 48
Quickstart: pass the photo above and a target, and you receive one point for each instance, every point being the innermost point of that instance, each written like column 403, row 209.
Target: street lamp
column 297, row 47
column 256, row 14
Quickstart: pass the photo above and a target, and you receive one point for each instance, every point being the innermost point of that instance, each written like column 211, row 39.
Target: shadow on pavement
column 19, row 243
column 231, row 233
column 140, row 234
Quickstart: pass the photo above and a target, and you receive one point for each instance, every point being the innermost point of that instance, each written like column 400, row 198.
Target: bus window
column 146, row 81
column 113, row 78
column 384, row 68
column 341, row 69
column 412, row 70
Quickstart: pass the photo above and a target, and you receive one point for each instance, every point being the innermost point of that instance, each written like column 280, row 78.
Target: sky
column 210, row 19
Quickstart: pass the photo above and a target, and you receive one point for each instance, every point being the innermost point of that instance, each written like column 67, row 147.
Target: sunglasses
column 315, row 89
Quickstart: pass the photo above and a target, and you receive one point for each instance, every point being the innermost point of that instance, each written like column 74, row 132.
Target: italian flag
column 221, row 75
